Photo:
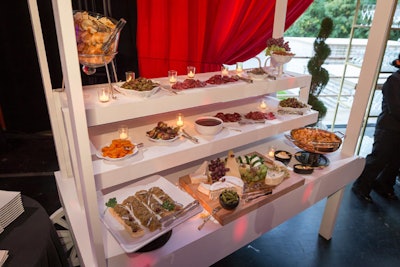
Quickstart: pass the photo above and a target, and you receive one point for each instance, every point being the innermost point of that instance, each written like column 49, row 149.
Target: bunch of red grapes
column 217, row 169
column 280, row 42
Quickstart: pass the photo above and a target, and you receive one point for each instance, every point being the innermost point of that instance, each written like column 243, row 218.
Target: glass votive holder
column 239, row 67
column 179, row 120
column 191, row 71
column 271, row 152
column 172, row 76
column 123, row 132
column 130, row 76
column 224, row 71
column 103, row 94
column 263, row 105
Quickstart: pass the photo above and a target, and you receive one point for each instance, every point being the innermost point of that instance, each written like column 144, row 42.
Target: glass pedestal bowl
column 280, row 59
column 92, row 31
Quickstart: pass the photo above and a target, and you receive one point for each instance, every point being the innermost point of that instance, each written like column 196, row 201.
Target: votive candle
column 224, row 71
column 263, row 105
column 191, row 70
column 179, row 120
column 103, row 95
column 123, row 131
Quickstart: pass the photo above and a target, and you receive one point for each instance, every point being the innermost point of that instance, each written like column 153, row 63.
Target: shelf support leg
column 330, row 213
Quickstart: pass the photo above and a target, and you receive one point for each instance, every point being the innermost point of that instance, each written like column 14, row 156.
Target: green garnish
column 112, row 202
column 168, row 205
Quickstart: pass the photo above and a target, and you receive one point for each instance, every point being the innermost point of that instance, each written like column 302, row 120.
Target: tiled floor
column 365, row 235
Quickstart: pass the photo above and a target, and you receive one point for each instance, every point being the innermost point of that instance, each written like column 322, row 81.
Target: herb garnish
column 168, row 205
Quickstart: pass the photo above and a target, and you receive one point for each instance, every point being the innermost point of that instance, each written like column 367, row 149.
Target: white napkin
column 3, row 256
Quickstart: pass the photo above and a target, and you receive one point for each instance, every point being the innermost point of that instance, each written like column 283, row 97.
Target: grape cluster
column 217, row 169
column 277, row 44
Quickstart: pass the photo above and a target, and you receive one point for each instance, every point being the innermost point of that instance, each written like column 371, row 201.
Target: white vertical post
column 83, row 170
column 374, row 51
column 279, row 18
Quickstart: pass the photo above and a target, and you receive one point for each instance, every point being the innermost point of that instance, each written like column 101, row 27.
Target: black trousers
column 382, row 164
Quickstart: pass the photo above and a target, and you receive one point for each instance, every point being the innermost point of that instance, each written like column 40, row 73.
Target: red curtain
column 172, row 34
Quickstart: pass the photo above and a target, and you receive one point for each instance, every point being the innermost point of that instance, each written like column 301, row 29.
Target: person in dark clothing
column 382, row 164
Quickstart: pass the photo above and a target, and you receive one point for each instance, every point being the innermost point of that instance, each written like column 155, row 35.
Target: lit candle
column 263, row 105
column 239, row 67
column 191, row 74
column 179, row 120
column 123, row 132
column 224, row 71
column 130, row 76
column 271, row 152
column 123, row 135
column 172, row 76
column 191, row 70
column 103, row 95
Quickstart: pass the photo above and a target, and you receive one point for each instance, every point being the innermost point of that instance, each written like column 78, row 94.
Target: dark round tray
column 156, row 243
column 311, row 159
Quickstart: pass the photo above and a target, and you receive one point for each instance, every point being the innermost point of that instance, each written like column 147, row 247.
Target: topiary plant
column 319, row 75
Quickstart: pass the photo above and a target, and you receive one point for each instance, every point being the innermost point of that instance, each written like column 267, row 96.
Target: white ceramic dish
column 208, row 125
column 136, row 93
column 162, row 140
column 130, row 244
column 99, row 154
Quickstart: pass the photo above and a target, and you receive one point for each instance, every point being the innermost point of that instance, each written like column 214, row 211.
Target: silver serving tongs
column 188, row 136
column 106, row 46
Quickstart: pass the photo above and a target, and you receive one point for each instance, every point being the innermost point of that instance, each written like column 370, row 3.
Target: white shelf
column 125, row 108
column 157, row 157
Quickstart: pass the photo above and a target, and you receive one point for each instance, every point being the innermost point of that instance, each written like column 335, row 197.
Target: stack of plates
column 10, row 207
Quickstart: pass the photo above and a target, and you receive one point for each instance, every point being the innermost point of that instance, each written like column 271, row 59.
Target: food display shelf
column 126, row 107
column 186, row 240
column 162, row 156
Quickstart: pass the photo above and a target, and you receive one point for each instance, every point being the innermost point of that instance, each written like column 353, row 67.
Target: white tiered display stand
column 81, row 124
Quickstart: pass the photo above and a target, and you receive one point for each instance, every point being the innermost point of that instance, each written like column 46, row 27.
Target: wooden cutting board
column 226, row 216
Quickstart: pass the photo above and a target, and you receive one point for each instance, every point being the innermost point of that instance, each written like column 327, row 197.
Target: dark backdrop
column 22, row 96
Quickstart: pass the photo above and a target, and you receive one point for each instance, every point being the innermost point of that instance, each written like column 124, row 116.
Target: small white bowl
column 208, row 125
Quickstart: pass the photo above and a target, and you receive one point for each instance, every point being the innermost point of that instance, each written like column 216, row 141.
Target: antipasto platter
column 254, row 191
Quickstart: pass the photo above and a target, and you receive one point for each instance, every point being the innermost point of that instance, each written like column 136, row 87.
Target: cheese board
column 224, row 216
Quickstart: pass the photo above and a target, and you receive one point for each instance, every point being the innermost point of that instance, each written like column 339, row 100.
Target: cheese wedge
column 200, row 175
column 232, row 165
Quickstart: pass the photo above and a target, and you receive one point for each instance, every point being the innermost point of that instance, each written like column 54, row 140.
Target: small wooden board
column 226, row 216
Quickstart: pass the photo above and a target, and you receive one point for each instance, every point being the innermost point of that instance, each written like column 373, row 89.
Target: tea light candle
column 263, row 105
column 224, row 71
column 130, row 76
column 104, row 95
column 172, row 79
column 271, row 152
column 179, row 120
column 191, row 72
column 239, row 67
column 172, row 76
column 123, row 132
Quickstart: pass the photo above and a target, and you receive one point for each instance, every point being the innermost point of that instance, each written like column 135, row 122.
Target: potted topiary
column 319, row 75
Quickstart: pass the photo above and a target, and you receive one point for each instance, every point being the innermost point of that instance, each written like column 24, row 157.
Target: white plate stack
column 10, row 207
